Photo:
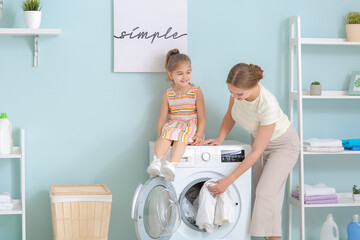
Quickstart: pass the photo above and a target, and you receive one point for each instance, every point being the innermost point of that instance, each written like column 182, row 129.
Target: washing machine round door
column 155, row 210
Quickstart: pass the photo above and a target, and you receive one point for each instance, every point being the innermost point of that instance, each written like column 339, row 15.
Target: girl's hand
column 196, row 140
column 220, row 187
column 212, row 142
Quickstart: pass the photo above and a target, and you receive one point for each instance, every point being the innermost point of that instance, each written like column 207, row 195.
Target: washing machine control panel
column 232, row 155
column 222, row 155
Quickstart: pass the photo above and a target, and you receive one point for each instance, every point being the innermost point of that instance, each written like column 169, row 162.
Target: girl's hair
column 173, row 59
column 245, row 76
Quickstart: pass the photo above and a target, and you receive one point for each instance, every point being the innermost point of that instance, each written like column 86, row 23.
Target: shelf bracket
column 36, row 50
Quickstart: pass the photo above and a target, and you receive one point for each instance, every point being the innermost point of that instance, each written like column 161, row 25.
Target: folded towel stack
column 5, row 201
column 316, row 194
column 351, row 144
column 323, row 145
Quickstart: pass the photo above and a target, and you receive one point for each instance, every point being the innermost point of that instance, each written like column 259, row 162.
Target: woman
column 275, row 147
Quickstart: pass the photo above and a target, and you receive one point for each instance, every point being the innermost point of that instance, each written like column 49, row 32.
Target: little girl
column 185, row 104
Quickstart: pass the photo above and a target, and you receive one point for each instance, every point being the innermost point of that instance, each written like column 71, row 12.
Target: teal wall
column 85, row 124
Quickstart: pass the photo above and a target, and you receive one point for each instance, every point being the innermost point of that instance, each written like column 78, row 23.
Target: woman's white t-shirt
column 264, row 110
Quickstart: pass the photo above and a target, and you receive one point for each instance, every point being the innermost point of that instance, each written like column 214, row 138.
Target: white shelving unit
column 298, row 95
column 19, row 204
column 36, row 33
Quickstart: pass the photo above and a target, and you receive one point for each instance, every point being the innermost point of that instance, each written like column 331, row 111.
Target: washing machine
column 160, row 209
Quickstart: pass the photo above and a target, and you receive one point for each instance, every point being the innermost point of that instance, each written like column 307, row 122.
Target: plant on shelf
column 315, row 89
column 353, row 18
column 356, row 193
column 32, row 13
column 31, row 5
column 353, row 26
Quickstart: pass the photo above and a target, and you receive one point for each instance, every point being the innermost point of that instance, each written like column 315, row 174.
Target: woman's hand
column 220, row 187
column 212, row 142
column 196, row 140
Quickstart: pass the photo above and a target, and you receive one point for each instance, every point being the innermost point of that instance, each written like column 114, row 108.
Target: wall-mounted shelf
column 36, row 33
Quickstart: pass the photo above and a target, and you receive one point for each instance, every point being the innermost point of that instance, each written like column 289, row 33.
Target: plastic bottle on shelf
column 6, row 140
column 329, row 229
column 353, row 229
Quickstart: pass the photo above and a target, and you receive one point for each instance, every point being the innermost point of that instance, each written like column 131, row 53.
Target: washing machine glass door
column 156, row 210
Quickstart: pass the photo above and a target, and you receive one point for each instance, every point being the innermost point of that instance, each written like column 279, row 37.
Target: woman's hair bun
column 257, row 70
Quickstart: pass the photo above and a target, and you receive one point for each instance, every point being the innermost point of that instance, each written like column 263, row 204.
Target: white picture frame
column 144, row 31
column 354, row 86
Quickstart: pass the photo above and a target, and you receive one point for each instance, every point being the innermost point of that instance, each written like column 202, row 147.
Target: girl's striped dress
column 182, row 123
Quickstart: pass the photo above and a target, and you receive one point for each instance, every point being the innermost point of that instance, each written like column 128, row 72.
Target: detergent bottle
column 6, row 140
column 329, row 230
column 353, row 228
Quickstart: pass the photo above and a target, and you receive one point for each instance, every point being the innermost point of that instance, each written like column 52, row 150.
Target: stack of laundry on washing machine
column 5, row 201
column 214, row 210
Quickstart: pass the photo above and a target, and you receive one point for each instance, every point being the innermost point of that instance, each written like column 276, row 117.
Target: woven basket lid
column 95, row 189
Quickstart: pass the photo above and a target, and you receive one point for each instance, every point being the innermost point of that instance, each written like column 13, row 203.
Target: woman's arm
column 163, row 114
column 201, row 119
column 226, row 126
column 261, row 141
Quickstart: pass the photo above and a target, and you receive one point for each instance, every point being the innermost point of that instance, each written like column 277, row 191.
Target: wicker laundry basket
column 80, row 212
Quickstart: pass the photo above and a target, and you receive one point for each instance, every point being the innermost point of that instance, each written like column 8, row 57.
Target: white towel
column 206, row 211
column 317, row 142
column 323, row 149
column 5, row 198
column 314, row 190
column 214, row 210
column 225, row 209
column 6, row 206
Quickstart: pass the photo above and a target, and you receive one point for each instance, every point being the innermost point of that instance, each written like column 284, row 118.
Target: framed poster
column 354, row 88
column 145, row 30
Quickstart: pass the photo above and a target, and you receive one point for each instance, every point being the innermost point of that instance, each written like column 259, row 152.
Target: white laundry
column 225, row 209
column 317, row 142
column 318, row 189
column 323, row 149
column 5, row 198
column 206, row 212
column 214, row 210
column 196, row 204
